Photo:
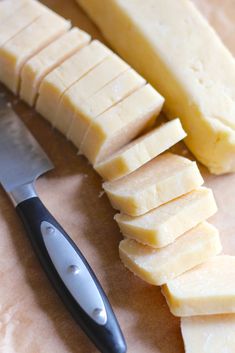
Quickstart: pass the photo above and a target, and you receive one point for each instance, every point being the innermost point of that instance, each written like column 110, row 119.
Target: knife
column 22, row 161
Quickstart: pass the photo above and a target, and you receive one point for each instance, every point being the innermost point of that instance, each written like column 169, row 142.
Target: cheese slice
column 118, row 125
column 141, row 150
column 176, row 50
column 105, row 98
column 158, row 266
column 15, row 53
column 8, row 7
column 20, row 19
column 55, row 84
column 164, row 224
column 89, row 84
column 47, row 59
column 205, row 290
column 161, row 180
column 213, row 333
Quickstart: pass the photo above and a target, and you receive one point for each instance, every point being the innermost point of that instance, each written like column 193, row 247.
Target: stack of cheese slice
column 101, row 104
column 85, row 90
column 172, row 238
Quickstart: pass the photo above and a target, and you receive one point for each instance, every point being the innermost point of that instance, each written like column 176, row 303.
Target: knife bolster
column 22, row 193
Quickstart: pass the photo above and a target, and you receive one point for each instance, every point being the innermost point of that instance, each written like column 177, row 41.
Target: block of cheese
column 47, row 59
column 124, row 121
column 8, row 7
column 15, row 53
column 20, row 19
column 163, row 179
column 89, row 84
column 108, row 96
column 212, row 333
column 158, row 266
column 164, row 224
column 141, row 150
column 55, row 84
column 175, row 49
column 207, row 289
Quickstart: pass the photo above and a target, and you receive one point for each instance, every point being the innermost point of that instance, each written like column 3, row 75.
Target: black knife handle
column 72, row 277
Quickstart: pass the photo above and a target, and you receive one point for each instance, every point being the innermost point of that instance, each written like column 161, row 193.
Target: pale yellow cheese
column 164, row 224
column 105, row 98
column 8, row 7
column 163, row 179
column 141, row 150
column 15, row 53
column 173, row 47
column 205, row 290
column 89, row 84
column 55, row 84
column 47, row 59
column 20, row 19
column 118, row 125
column 209, row 334
column 158, row 266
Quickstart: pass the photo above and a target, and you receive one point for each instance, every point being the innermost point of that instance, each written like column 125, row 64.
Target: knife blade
column 22, row 161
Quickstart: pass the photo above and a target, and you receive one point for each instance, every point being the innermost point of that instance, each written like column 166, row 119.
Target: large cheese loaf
column 158, row 266
column 205, row 290
column 15, row 52
column 159, row 181
column 141, row 150
column 172, row 45
column 212, row 333
column 164, row 224
column 47, row 59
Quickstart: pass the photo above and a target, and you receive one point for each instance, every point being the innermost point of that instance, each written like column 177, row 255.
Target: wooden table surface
column 32, row 318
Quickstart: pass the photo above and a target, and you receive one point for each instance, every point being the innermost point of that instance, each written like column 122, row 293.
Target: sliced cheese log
column 118, row 125
column 15, row 53
column 164, row 224
column 141, row 150
column 47, row 59
column 213, row 333
column 20, row 19
column 205, row 290
column 8, row 7
column 164, row 178
column 173, row 47
column 108, row 96
column 55, row 84
column 158, row 266
column 89, row 84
